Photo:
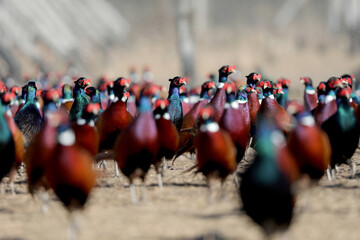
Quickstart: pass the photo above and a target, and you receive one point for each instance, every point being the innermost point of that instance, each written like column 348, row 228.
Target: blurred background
column 279, row 38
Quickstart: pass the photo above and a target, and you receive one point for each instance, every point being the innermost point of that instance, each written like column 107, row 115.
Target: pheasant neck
column 173, row 92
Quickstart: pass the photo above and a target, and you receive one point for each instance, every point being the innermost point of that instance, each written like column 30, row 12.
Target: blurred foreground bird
column 6, row 99
column 70, row 174
column 136, row 147
column 41, row 148
column 7, row 147
column 265, row 188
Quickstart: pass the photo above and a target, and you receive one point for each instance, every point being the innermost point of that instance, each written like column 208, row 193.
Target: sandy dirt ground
column 180, row 210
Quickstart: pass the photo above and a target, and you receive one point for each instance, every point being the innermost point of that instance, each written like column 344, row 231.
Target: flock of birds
column 58, row 134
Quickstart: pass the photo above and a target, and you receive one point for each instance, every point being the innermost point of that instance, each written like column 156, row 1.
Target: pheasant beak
column 257, row 77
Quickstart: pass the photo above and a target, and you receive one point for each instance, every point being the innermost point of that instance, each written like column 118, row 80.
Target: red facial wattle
column 87, row 81
column 231, row 69
column 346, row 80
column 125, row 82
column 257, row 77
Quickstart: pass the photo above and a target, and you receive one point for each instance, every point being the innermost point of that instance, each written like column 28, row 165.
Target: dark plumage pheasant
column 219, row 98
column 7, row 147
column 265, row 188
column 343, row 132
column 28, row 119
column 175, row 106
column 80, row 98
